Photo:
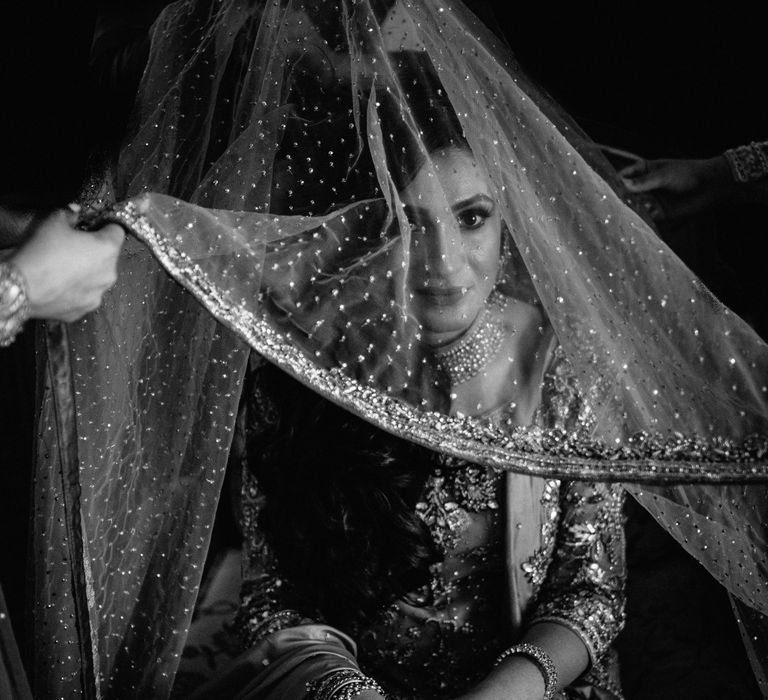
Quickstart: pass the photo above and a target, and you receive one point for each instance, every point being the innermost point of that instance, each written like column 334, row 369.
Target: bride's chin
column 438, row 339
column 442, row 331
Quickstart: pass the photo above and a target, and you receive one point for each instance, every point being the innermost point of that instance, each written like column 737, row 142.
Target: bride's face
column 455, row 243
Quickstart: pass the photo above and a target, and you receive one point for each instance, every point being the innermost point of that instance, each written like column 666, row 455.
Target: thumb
column 72, row 213
column 60, row 217
column 633, row 170
column 112, row 233
column 646, row 182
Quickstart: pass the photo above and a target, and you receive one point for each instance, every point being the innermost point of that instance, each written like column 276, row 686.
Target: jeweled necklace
column 466, row 357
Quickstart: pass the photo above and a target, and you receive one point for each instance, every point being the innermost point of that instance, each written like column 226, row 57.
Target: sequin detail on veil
column 551, row 452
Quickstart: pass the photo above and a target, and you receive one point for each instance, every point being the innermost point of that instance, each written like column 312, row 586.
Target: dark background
column 663, row 79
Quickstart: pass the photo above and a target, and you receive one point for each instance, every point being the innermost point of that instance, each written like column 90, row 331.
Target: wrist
column 718, row 167
column 14, row 302
column 344, row 684
column 748, row 163
column 718, row 170
column 38, row 288
column 535, row 665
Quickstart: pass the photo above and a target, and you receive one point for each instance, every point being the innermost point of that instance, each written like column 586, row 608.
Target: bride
column 436, row 576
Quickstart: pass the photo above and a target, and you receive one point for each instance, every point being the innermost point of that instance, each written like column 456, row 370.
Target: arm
column 581, row 604
column 689, row 187
column 291, row 651
column 59, row 273
column 584, row 590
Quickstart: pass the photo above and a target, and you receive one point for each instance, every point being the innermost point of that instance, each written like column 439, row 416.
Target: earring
column 504, row 273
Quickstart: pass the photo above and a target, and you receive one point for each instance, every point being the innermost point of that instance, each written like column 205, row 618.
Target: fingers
column 635, row 175
column 646, row 183
column 68, row 270
column 61, row 218
column 112, row 233
column 72, row 213
column 646, row 176
column 637, row 168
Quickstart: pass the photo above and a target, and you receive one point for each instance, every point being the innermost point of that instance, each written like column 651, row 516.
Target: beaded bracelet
column 748, row 163
column 354, row 689
column 14, row 303
column 342, row 684
column 542, row 660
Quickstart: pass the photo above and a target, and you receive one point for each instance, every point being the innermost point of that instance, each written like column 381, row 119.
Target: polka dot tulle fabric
column 371, row 195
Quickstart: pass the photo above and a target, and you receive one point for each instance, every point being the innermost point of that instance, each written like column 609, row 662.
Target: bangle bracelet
column 542, row 660
column 353, row 689
column 342, row 684
column 14, row 303
column 323, row 688
column 748, row 163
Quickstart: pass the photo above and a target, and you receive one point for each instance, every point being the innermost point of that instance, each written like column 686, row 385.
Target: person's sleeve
column 291, row 650
column 584, row 588
column 748, row 163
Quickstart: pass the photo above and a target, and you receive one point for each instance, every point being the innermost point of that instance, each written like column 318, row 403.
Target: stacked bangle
column 14, row 304
column 748, row 163
column 542, row 660
column 342, row 684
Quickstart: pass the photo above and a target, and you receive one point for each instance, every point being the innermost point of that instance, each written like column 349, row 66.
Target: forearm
column 747, row 169
column 566, row 649
column 518, row 677
column 581, row 605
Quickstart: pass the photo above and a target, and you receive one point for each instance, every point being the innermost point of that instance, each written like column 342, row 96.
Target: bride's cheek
column 485, row 257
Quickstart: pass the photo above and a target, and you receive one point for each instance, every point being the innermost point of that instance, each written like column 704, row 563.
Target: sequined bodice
column 455, row 623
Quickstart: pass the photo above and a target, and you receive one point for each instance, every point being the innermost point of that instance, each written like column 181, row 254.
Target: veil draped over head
column 291, row 180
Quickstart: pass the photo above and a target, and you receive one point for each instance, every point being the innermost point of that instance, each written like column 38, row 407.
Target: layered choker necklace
column 467, row 356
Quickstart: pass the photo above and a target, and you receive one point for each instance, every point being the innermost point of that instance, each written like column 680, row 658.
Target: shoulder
column 527, row 330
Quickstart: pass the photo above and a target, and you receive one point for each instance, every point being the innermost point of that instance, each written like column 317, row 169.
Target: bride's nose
column 441, row 249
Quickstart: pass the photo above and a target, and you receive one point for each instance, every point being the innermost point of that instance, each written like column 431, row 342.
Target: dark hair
column 340, row 501
column 340, row 510
column 423, row 104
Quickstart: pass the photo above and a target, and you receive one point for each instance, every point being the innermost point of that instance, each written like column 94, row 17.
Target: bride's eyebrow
column 473, row 201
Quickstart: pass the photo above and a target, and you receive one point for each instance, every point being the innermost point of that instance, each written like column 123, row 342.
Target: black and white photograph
column 383, row 349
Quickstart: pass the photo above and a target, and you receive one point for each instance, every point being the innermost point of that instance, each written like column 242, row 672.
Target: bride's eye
column 472, row 218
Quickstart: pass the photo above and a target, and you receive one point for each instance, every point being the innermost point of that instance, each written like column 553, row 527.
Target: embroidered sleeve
column 265, row 601
column 749, row 162
column 291, row 652
column 584, row 588
column 265, row 605
column 564, row 403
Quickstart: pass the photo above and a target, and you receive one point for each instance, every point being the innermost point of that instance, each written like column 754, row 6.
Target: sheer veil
column 263, row 181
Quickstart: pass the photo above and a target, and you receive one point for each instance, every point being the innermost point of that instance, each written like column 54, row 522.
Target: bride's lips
column 442, row 296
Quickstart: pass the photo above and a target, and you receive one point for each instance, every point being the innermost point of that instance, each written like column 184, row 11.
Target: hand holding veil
column 353, row 189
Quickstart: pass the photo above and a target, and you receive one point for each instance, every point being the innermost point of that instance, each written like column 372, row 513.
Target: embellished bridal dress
column 514, row 549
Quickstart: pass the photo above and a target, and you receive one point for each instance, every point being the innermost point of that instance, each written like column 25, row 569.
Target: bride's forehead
column 448, row 176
